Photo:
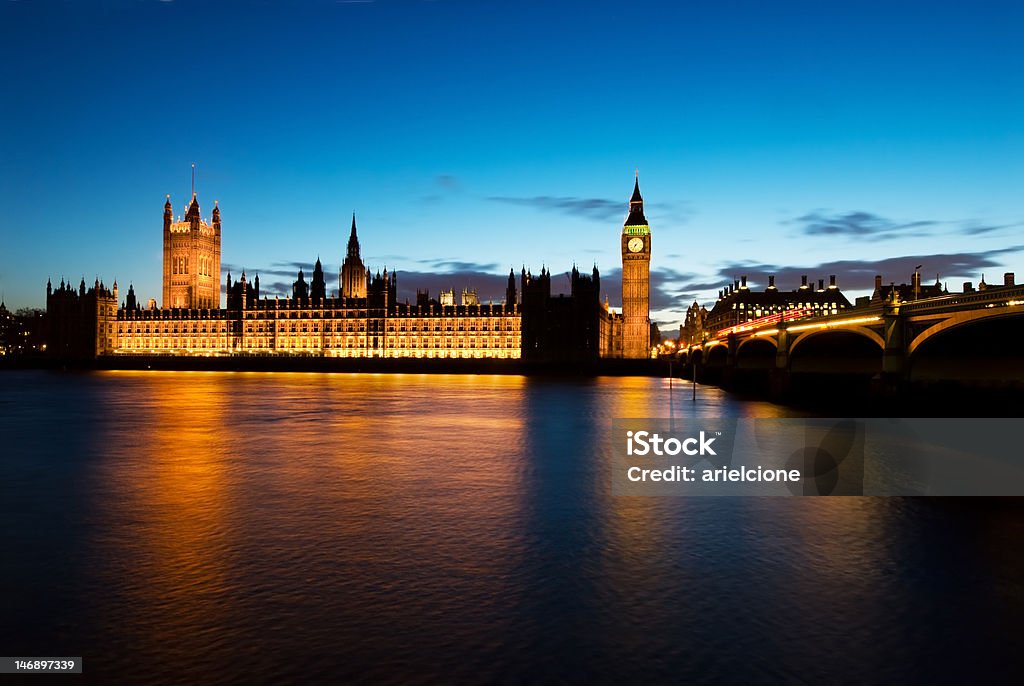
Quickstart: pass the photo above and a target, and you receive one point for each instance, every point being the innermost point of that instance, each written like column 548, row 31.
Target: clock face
column 635, row 244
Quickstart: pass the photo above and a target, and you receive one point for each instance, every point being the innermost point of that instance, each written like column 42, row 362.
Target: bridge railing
column 1000, row 295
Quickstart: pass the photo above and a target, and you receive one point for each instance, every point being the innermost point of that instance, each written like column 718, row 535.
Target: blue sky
column 474, row 136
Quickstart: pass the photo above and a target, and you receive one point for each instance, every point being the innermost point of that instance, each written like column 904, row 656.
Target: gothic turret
column 130, row 301
column 300, row 289
column 510, row 289
column 168, row 214
column 354, row 275
column 192, row 213
column 216, row 217
column 353, row 240
column 318, row 288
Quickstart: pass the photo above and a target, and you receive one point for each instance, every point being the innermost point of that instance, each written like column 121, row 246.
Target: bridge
column 974, row 338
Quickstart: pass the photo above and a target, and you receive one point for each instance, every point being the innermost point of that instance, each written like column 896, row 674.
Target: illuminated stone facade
column 191, row 258
column 365, row 320
column 332, row 327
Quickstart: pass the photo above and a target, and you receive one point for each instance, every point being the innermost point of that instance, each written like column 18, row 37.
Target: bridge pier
column 781, row 378
column 894, row 359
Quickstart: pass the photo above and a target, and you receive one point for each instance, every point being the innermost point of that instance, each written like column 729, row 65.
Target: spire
column 318, row 287
column 193, row 209
column 636, row 206
column 168, row 213
column 353, row 240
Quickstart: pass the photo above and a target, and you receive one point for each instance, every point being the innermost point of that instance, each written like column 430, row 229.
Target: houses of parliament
column 364, row 319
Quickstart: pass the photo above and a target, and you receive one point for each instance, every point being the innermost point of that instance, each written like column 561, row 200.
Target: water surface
column 178, row 527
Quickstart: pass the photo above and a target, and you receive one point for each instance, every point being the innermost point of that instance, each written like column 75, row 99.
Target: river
column 200, row 527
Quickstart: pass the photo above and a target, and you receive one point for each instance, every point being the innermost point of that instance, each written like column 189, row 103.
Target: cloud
column 277, row 288
column 598, row 209
column 447, row 181
column 488, row 286
column 862, row 224
column 277, row 279
column 442, row 275
column 860, row 274
column 974, row 229
column 858, row 224
column 458, row 266
column 447, row 184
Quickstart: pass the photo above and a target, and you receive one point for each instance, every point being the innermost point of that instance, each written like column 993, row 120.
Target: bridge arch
column 962, row 319
column 716, row 355
column 756, row 353
column 977, row 347
column 847, row 351
column 696, row 356
column 859, row 330
column 755, row 339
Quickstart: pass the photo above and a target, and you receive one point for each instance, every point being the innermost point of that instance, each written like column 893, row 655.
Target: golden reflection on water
column 209, row 472
column 168, row 481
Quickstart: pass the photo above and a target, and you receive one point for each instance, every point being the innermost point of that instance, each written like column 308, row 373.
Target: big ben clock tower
column 636, row 279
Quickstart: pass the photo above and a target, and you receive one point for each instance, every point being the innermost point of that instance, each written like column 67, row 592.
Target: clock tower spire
column 636, row 279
